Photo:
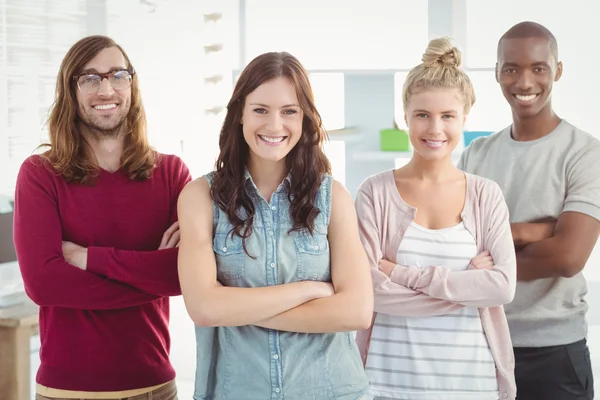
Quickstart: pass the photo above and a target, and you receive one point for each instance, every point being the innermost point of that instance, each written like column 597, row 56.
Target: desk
column 17, row 325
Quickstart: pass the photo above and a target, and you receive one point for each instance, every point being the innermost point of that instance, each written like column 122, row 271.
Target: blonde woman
column 441, row 254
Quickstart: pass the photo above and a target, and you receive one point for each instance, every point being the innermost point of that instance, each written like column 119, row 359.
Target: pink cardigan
column 436, row 290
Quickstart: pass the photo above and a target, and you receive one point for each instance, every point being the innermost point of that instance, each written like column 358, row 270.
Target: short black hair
column 530, row 29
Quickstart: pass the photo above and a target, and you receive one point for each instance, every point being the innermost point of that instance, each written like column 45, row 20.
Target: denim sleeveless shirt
column 253, row 363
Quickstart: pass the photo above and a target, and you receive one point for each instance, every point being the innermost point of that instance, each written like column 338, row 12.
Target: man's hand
column 386, row 266
column 482, row 260
column 170, row 238
column 75, row 255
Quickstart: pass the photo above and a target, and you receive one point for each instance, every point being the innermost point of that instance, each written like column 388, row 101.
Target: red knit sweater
column 105, row 328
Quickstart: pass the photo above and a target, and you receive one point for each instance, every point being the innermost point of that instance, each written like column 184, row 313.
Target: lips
column 526, row 98
column 105, row 107
column 272, row 139
column 434, row 144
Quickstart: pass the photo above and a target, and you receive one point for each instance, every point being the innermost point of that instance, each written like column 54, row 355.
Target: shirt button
column 273, row 208
column 277, row 390
column 270, row 233
column 275, row 356
column 316, row 247
column 224, row 249
column 272, row 265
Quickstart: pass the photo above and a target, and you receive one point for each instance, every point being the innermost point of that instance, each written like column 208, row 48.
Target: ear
column 496, row 73
column 559, row 69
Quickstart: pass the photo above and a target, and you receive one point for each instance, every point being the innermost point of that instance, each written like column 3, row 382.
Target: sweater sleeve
column 473, row 287
column 390, row 297
column 49, row 279
column 153, row 272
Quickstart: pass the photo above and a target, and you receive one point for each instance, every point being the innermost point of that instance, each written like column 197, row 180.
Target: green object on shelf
column 394, row 140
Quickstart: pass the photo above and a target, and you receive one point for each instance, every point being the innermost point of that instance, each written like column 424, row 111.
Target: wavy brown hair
column 69, row 153
column 306, row 162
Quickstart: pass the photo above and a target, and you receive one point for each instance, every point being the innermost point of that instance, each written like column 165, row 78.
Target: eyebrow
column 266, row 106
column 95, row 71
column 443, row 112
column 535, row 64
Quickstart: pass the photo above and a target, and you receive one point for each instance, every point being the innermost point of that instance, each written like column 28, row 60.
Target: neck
column 267, row 175
column 106, row 150
column 535, row 127
column 430, row 170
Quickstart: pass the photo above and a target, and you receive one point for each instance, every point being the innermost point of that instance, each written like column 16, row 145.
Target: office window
column 491, row 112
column 184, row 68
column 35, row 36
column 328, row 89
column 379, row 34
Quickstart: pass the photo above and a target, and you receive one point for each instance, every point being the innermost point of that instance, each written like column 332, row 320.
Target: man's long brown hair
column 306, row 162
column 69, row 153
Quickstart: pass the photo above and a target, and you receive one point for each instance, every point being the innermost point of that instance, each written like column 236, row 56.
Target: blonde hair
column 439, row 70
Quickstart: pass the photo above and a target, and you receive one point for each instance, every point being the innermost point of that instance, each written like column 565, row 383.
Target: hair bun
column 441, row 53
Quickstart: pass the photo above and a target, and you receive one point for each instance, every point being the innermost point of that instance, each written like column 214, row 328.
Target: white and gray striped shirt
column 445, row 357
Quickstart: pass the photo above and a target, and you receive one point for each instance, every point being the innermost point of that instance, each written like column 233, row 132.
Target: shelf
column 348, row 135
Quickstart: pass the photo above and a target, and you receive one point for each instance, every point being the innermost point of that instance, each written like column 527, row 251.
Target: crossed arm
column 49, row 279
column 310, row 307
column 437, row 290
column 546, row 249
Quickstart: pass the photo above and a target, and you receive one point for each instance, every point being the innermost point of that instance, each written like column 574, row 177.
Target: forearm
column 233, row 306
column 153, row 272
column 338, row 313
column 473, row 288
column 396, row 299
column 543, row 259
column 59, row 284
column 524, row 233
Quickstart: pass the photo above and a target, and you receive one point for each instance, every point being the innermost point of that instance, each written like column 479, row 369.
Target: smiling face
column 105, row 111
column 526, row 71
column 272, row 120
column 435, row 119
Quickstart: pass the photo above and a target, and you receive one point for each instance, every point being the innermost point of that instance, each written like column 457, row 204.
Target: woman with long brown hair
column 271, row 266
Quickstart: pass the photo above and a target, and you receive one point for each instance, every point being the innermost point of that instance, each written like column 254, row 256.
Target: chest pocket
column 314, row 261
column 230, row 256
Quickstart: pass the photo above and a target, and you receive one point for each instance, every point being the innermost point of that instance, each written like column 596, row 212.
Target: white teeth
column 272, row 139
column 105, row 106
column 435, row 143
column 526, row 98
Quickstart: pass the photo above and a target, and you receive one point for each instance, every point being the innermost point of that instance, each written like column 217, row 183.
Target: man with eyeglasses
column 96, row 235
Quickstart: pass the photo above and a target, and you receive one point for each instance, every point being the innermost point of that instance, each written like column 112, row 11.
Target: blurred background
column 188, row 53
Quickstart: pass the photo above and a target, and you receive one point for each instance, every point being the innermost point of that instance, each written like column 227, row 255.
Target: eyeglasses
column 90, row 83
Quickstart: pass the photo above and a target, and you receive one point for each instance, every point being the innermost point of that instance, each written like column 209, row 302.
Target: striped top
column 438, row 357
column 384, row 217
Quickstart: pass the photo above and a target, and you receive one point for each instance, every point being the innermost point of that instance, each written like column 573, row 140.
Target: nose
column 274, row 123
column 105, row 88
column 525, row 81
column 435, row 126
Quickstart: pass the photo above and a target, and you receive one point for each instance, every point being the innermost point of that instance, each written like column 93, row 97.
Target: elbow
column 571, row 265
column 506, row 296
column 507, row 291
column 35, row 285
column 36, row 294
column 364, row 322
column 202, row 316
column 362, row 316
column 202, row 320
